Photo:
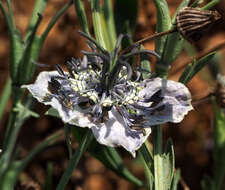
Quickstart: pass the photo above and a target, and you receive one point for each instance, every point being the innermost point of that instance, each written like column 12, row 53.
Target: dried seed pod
column 192, row 22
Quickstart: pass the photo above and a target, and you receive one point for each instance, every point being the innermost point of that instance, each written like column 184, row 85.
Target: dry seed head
column 192, row 22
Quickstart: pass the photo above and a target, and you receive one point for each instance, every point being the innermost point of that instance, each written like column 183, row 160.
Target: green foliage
column 219, row 146
column 168, row 164
column 24, row 52
column 163, row 23
column 107, row 155
column 175, row 180
column 174, row 42
column 193, row 68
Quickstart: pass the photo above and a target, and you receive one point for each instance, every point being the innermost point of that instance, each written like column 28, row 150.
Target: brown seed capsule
column 192, row 22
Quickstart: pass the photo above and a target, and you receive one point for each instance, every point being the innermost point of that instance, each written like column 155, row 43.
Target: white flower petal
column 114, row 133
column 176, row 102
column 39, row 90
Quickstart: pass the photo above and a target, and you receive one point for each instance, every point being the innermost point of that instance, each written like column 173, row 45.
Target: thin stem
column 68, row 141
column 10, row 13
column 54, row 19
column 19, row 119
column 15, row 122
column 5, row 96
column 17, row 94
column 183, row 184
column 47, row 142
column 96, row 17
column 118, row 164
column 79, row 7
column 25, row 68
column 147, row 160
column 210, row 4
column 147, row 155
column 199, row 56
column 92, row 40
column 142, row 51
column 39, row 8
column 7, row 19
column 147, row 39
column 74, row 160
column 157, row 155
column 109, row 17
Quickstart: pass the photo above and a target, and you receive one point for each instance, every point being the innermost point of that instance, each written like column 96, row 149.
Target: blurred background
column 192, row 138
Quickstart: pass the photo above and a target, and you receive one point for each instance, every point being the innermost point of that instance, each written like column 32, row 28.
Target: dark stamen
column 93, row 41
column 59, row 69
column 72, row 66
column 129, row 69
column 53, row 86
column 119, row 40
column 143, row 51
column 101, row 55
column 155, row 98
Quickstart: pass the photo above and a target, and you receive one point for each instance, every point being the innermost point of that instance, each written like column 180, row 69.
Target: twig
column 199, row 56
column 147, row 39
column 183, row 184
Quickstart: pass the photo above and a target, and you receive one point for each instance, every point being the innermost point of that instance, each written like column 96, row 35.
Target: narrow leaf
column 107, row 155
column 168, row 164
column 25, row 66
column 219, row 146
column 110, row 23
column 176, row 179
column 174, row 42
column 97, row 22
column 195, row 68
column 163, row 23
column 86, row 140
column 39, row 8
column 79, row 7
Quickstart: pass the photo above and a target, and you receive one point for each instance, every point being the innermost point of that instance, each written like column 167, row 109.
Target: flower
column 118, row 109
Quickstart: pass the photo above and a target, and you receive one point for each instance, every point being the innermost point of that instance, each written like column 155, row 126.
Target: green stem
column 16, row 48
column 148, row 174
column 47, row 142
column 147, row 160
column 15, row 122
column 68, row 141
column 110, row 23
column 10, row 12
column 210, row 4
column 163, row 23
column 5, row 97
column 123, row 171
column 26, row 66
column 9, row 178
column 17, row 94
column 157, row 155
column 147, row 155
column 79, row 7
column 54, row 19
column 74, row 160
column 96, row 17
column 7, row 19
column 39, row 8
